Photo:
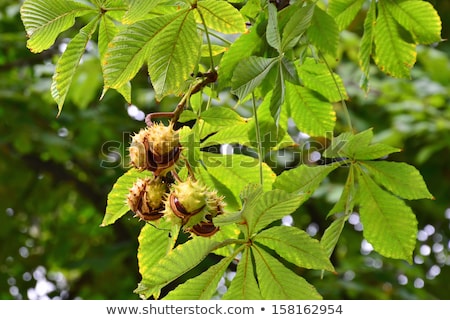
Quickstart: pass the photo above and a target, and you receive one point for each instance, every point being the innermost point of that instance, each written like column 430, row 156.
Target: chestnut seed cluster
column 188, row 203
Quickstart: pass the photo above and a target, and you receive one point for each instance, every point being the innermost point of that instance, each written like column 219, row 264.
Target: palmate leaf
column 68, row 62
column 269, row 207
column 419, row 18
column 221, row 16
column 344, row 11
column 296, row 246
column 324, row 32
column 311, row 113
column 44, row 20
column 388, row 223
column 173, row 55
column 244, row 285
column 249, row 73
column 176, row 262
column 116, row 205
column 401, row 179
column 221, row 117
column 277, row 282
column 106, row 32
column 203, row 286
column 138, row 9
column 394, row 55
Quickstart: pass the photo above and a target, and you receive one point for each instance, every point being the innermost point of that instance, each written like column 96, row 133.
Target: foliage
column 279, row 67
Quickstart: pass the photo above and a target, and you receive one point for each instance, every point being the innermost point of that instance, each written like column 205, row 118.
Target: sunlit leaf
column 419, row 18
column 366, row 46
column 296, row 246
column 68, row 62
column 344, row 11
column 106, row 32
column 394, row 55
column 173, row 55
column 401, row 179
column 203, row 286
column 389, row 224
column 277, row 282
column 116, row 205
column 244, row 285
column 332, row 234
column 269, row 207
column 311, row 113
column 304, row 179
column 138, row 9
column 221, row 16
column 44, row 20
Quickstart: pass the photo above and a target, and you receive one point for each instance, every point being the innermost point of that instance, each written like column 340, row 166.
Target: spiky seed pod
column 156, row 148
column 207, row 228
column 145, row 198
column 190, row 203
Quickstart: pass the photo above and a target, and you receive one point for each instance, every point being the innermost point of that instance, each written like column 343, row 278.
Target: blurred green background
column 55, row 174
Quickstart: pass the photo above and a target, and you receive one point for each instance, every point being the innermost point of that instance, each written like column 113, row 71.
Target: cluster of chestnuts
column 188, row 203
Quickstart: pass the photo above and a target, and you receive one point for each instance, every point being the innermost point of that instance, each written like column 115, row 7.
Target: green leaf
column 203, row 286
column 388, row 223
column 296, row 26
column 394, row 55
column 304, row 179
column 234, row 172
column 401, row 179
column 235, row 134
column 173, row 55
column 178, row 261
column 272, row 33
column 311, row 114
column 419, row 18
column 290, row 71
column 154, row 244
column 358, row 147
column 344, row 11
column 316, row 76
column 277, row 282
column 106, row 32
column 244, row 285
column 278, row 95
column 68, row 62
column 366, row 46
column 296, row 246
column 44, row 20
column 346, row 201
column 221, row 117
column 116, row 205
column 243, row 47
column 221, row 16
column 138, row 9
column 332, row 234
column 249, row 73
column 324, row 32
column 130, row 48
column 269, row 207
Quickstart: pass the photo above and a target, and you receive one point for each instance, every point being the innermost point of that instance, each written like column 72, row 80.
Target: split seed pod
column 193, row 206
column 145, row 198
column 156, row 148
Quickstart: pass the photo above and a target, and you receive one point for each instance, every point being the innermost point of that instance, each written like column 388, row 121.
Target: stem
column 258, row 140
column 344, row 105
column 207, row 39
column 215, row 35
